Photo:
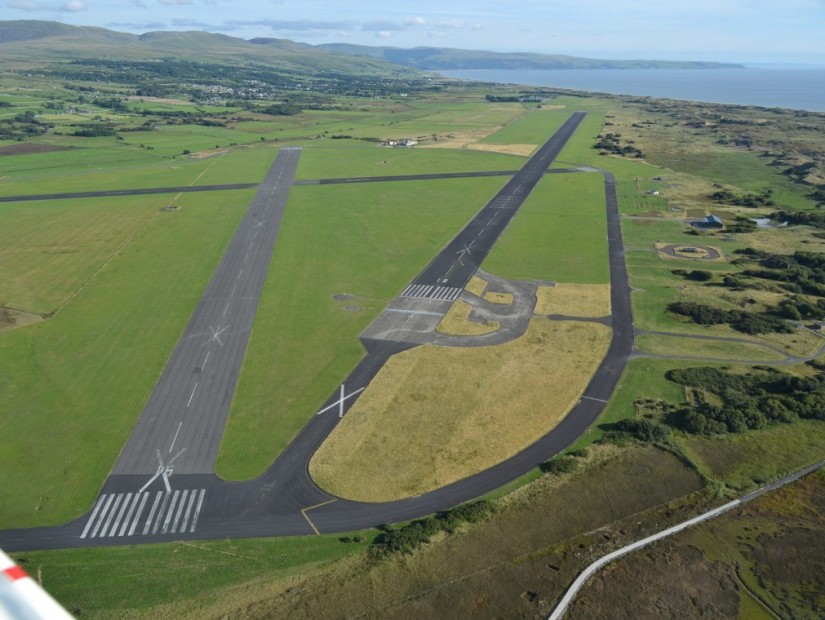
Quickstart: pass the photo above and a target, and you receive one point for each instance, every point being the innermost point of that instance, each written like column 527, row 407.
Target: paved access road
column 149, row 498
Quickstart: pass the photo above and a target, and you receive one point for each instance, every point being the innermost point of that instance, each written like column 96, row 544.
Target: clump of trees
column 411, row 536
column 696, row 275
column 800, row 272
column 725, row 196
column 740, row 320
column 751, row 401
column 611, row 143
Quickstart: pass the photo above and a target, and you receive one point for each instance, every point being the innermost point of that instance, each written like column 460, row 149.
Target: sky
column 751, row 31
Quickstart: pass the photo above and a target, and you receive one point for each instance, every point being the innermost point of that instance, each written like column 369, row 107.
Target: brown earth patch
column 12, row 319
column 26, row 148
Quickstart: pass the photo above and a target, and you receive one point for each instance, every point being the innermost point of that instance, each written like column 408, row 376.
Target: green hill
column 29, row 44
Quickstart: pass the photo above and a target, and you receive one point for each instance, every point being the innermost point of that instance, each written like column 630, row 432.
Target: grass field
column 337, row 162
column 742, row 461
column 73, row 386
column 435, row 415
column 559, row 234
column 96, row 169
column 687, row 347
column 535, row 127
column 580, row 300
column 49, row 249
column 366, row 241
column 161, row 580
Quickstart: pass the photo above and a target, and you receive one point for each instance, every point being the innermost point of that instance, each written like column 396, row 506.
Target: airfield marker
column 340, row 402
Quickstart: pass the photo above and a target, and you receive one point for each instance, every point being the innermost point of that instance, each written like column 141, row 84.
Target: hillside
column 29, row 44
column 437, row 58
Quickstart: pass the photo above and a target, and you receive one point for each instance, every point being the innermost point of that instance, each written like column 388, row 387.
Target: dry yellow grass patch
column 525, row 150
column 505, row 299
column 205, row 154
column 580, row 300
column 457, row 322
column 435, row 415
column 476, row 286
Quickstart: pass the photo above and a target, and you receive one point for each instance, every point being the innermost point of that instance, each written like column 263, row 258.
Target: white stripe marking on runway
column 197, row 511
column 192, row 395
column 92, row 518
column 136, row 520
column 152, row 513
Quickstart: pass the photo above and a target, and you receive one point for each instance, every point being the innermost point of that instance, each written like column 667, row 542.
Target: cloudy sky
column 737, row 30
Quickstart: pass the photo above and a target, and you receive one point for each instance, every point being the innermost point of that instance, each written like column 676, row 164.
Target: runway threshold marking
column 306, row 516
column 119, row 515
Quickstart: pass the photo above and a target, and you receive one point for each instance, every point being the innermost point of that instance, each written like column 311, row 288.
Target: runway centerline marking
column 225, row 310
column 175, row 438
column 192, row 395
column 340, row 402
column 206, row 359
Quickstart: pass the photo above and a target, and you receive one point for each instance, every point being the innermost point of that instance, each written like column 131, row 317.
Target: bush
column 644, row 430
column 409, row 537
column 560, row 466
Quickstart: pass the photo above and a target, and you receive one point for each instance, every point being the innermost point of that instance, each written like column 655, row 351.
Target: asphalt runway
column 452, row 268
column 182, row 424
column 145, row 501
column 129, row 192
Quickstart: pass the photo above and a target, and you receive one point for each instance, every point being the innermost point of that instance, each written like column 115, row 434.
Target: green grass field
column 559, row 234
column 120, row 581
column 535, row 127
column 119, row 167
column 49, row 249
column 368, row 241
column 332, row 163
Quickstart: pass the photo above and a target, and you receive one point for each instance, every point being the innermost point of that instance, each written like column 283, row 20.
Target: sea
column 798, row 89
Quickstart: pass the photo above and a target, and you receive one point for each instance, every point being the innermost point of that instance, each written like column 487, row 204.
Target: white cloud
column 25, row 5
column 73, row 6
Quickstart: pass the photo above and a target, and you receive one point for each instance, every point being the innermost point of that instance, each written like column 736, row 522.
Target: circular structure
column 690, row 252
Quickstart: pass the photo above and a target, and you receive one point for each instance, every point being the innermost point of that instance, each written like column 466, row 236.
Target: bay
column 800, row 89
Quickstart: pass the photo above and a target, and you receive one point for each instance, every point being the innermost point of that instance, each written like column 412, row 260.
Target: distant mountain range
column 29, row 43
column 442, row 58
